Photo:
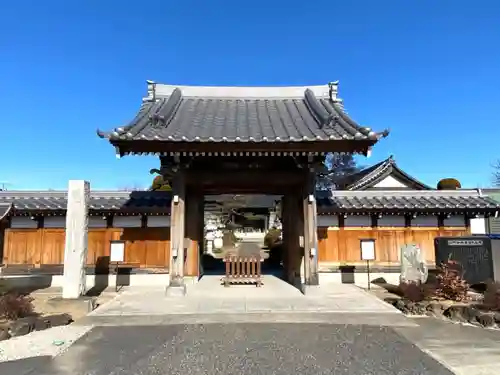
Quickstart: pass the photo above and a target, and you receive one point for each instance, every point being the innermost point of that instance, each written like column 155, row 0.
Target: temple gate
column 242, row 140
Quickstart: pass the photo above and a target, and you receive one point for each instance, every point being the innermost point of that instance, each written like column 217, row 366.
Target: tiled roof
column 370, row 176
column 5, row 208
column 156, row 201
column 427, row 200
column 242, row 114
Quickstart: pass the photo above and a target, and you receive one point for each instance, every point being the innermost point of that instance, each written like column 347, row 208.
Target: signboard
column 367, row 249
column 117, row 251
column 473, row 253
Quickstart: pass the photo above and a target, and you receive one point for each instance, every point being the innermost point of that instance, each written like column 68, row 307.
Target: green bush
column 272, row 238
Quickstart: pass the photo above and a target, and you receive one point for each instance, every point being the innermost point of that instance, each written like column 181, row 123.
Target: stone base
column 314, row 279
column 83, row 303
column 176, row 288
column 310, row 290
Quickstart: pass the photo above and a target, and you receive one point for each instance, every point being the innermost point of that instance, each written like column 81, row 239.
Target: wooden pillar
column 177, row 224
column 194, row 199
column 286, row 231
column 310, row 230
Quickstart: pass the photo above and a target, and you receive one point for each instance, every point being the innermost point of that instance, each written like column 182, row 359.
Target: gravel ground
column 278, row 349
column 41, row 343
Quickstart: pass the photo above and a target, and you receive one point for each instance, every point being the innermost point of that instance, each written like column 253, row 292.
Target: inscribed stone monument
column 75, row 250
column 413, row 267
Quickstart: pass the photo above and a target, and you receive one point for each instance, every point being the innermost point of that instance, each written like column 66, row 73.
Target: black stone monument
column 476, row 255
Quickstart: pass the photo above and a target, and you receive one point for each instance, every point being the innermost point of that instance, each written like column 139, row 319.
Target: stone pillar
column 177, row 286
column 75, row 249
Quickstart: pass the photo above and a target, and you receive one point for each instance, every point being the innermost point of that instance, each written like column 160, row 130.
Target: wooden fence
column 144, row 247
column 343, row 245
column 243, row 270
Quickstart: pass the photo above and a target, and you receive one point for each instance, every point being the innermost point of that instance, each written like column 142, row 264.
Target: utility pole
column 4, row 184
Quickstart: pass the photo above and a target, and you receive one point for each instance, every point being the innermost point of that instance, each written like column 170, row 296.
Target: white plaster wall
column 478, row 225
column 358, row 221
column 23, row 222
column 389, row 182
column 158, row 221
column 97, row 222
column 127, row 222
column 424, row 221
column 328, row 221
column 455, row 221
column 391, row 221
column 54, row 222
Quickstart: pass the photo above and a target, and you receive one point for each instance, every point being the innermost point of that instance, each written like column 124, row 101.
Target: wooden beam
column 194, row 198
column 361, row 146
column 310, row 231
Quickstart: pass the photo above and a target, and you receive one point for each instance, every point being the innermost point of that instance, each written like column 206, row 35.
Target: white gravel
column 41, row 343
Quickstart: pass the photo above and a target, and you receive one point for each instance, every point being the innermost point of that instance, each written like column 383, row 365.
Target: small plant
column 415, row 291
column 491, row 298
column 450, row 283
column 14, row 306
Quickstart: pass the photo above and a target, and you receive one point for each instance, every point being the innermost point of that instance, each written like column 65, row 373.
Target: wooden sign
column 117, row 251
column 472, row 253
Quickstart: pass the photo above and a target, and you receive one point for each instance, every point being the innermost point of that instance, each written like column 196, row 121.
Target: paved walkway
column 467, row 350
column 275, row 296
column 223, row 349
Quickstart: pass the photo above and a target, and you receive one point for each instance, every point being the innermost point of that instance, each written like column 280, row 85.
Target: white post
column 75, row 250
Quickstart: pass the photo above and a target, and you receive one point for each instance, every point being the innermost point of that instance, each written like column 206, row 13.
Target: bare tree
column 496, row 173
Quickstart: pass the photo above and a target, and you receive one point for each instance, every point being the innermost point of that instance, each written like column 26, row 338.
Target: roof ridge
column 388, row 192
column 155, row 90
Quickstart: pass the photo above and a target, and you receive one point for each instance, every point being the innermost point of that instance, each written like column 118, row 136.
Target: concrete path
column 275, row 296
column 306, row 349
column 467, row 350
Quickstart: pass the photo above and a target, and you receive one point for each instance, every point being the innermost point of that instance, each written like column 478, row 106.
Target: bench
column 243, row 270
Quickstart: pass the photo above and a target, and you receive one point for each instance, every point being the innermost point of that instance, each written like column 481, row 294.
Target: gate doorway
column 244, row 226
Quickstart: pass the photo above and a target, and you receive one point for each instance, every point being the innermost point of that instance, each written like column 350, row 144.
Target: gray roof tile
column 136, row 201
column 5, row 208
column 427, row 200
column 218, row 114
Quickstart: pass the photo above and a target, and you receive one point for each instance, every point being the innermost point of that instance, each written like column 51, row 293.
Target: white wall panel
column 127, row 222
column 425, row 221
column 23, row 222
column 97, row 222
column 328, row 221
column 54, row 222
column 391, row 221
column 158, row 221
column 455, row 221
column 478, row 225
column 358, row 221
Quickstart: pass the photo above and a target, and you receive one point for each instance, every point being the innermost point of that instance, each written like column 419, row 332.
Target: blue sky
column 426, row 69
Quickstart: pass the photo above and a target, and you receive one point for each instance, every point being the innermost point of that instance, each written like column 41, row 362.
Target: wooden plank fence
column 243, row 270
